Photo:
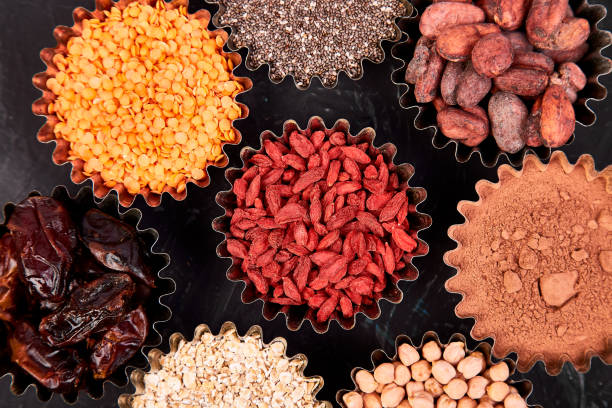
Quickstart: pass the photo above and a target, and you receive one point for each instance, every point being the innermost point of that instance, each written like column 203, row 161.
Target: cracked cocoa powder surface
column 534, row 266
column 306, row 38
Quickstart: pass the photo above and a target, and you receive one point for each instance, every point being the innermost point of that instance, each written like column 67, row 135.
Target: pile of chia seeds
column 307, row 38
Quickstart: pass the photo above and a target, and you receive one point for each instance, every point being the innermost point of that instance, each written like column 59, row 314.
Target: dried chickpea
column 499, row 372
column 402, row 374
column 454, row 352
column 407, row 354
column 431, row 351
column 472, row 365
column 456, row 388
column 514, row 400
column 353, row 400
column 498, row 390
column 384, row 373
column 433, row 387
column 421, row 370
column 477, row 387
column 413, row 387
column 392, row 395
column 446, row 402
column 372, row 400
column 135, row 106
column 365, row 381
column 466, row 402
column 443, row 371
column 422, row 399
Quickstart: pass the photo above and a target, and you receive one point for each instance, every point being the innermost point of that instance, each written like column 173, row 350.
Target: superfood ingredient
column 469, row 51
column 145, row 97
column 227, row 370
column 541, row 276
column 320, row 221
column 305, row 39
column 96, row 322
column 439, row 379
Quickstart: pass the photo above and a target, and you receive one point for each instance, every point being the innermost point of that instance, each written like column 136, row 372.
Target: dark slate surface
column 203, row 293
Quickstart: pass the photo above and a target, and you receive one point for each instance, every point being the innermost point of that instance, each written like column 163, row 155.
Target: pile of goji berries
column 320, row 222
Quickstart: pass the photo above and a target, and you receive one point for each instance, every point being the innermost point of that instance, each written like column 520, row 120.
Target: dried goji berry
column 327, row 308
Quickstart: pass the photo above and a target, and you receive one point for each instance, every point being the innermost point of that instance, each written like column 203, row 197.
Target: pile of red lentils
column 145, row 97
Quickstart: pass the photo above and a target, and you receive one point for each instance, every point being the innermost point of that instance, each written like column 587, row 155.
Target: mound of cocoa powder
column 535, row 265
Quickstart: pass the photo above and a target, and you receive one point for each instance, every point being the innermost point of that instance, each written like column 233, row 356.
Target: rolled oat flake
column 307, row 38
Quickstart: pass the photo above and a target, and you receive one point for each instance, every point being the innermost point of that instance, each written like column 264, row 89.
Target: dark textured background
column 203, row 294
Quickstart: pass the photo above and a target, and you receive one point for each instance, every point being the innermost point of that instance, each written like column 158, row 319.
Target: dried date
column 45, row 238
column 10, row 271
column 93, row 307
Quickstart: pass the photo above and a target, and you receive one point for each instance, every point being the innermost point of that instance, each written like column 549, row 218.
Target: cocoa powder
column 534, row 265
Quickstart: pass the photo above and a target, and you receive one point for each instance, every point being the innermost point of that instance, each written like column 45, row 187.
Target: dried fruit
column 329, row 237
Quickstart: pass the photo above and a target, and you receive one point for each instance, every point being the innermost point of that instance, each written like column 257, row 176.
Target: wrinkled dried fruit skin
column 544, row 19
column 44, row 237
column 507, row 114
column 523, row 82
column 574, row 55
column 450, row 82
column 462, row 125
column 426, row 87
column 438, row 16
column 519, row 41
column 472, row 87
column 60, row 370
column 417, row 66
column 455, row 43
column 119, row 344
column 558, row 119
column 534, row 60
column 115, row 245
column 531, row 133
column 93, row 307
column 509, row 14
column 492, row 55
column 10, row 271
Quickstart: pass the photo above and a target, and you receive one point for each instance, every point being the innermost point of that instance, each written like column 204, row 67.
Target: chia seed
column 307, row 38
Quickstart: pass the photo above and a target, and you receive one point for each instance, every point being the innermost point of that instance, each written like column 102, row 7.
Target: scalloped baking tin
column 157, row 312
column 253, row 66
column 137, row 377
column 453, row 285
column 594, row 65
column 61, row 152
column 296, row 315
column 379, row 356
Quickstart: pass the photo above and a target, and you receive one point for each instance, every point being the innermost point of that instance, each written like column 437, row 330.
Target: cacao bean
column 492, row 55
column 558, row 119
column 507, row 114
column 438, row 16
column 571, row 78
column 509, row 14
column 531, row 133
column 570, row 35
column 426, row 87
column 523, row 82
column 534, row 60
column 462, row 125
column 472, row 87
column 519, row 41
column 476, row 140
column 418, row 64
column 544, row 19
column 455, row 43
column 561, row 56
column 450, row 82
column 488, row 6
